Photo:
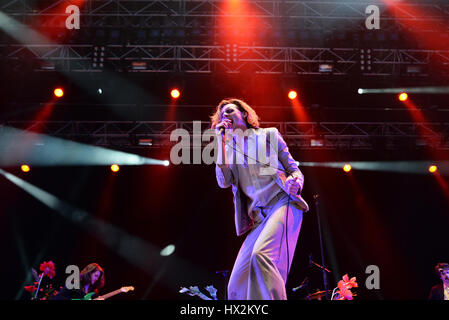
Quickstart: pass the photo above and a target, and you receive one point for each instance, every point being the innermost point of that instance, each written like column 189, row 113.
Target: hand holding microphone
column 292, row 185
column 224, row 124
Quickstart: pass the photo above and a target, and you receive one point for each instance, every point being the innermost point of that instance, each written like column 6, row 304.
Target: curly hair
column 252, row 119
column 86, row 274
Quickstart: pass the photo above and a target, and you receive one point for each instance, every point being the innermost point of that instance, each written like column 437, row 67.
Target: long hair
column 252, row 119
column 86, row 274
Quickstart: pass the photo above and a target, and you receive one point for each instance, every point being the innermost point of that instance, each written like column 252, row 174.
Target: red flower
column 30, row 288
column 48, row 268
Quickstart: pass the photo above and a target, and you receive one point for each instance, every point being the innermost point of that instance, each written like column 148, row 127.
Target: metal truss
column 318, row 14
column 209, row 59
column 306, row 135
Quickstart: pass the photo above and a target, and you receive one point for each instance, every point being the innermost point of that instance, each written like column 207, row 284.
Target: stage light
column 403, row 96
column 433, row 169
column 25, row 168
column 347, row 168
column 316, row 142
column 58, row 92
column 168, row 250
column 360, row 91
column 175, row 93
column 139, row 65
column 292, row 94
column 325, row 68
column 166, row 163
column 414, row 69
column 145, row 142
column 115, row 168
column 100, row 91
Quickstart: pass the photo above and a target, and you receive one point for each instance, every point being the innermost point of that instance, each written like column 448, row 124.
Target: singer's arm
column 288, row 162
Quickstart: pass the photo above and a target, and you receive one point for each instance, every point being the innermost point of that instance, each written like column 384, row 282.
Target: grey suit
column 262, row 264
column 227, row 177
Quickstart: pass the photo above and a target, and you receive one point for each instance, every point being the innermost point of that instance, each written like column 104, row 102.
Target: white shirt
column 260, row 189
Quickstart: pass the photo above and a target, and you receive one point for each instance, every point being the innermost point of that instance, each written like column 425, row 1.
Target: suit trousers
column 261, row 267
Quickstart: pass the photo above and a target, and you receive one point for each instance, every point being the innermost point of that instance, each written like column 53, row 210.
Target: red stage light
column 25, row 168
column 433, row 169
column 403, row 96
column 292, row 94
column 115, row 168
column 58, row 92
column 347, row 168
column 175, row 93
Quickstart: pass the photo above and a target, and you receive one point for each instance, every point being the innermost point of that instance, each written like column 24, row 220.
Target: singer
column 267, row 203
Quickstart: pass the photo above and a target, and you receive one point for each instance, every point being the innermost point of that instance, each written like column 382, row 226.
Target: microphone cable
column 288, row 201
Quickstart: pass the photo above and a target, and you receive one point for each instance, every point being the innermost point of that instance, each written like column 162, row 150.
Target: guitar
column 108, row 295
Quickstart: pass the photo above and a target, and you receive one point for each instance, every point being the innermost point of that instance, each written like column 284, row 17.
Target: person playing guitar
column 92, row 278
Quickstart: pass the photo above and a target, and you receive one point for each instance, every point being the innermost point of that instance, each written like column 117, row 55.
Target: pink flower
column 344, row 287
column 345, row 294
column 350, row 283
column 48, row 268
column 347, row 283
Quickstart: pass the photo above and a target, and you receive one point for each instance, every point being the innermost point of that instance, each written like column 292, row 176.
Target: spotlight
column 316, row 142
column 58, row 92
column 168, row 250
column 347, row 168
column 166, row 163
column 292, row 94
column 139, row 65
column 175, row 93
column 145, row 142
column 115, row 168
column 325, row 68
column 433, row 169
column 403, row 96
column 25, row 168
column 360, row 91
column 100, row 91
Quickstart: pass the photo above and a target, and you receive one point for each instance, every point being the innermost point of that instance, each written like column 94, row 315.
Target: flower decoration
column 30, row 289
column 212, row 291
column 195, row 291
column 343, row 289
column 48, row 269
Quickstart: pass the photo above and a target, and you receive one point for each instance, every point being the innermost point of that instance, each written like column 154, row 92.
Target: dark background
column 397, row 221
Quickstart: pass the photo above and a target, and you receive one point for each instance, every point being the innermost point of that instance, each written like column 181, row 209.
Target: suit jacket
column 286, row 167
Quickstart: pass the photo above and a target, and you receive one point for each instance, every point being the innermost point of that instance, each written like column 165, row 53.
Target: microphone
column 304, row 283
column 222, row 128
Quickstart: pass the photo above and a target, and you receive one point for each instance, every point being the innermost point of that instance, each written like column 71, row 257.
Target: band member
column 268, row 205
column 92, row 279
column 441, row 291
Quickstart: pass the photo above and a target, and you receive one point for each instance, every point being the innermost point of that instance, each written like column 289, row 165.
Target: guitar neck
column 111, row 294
